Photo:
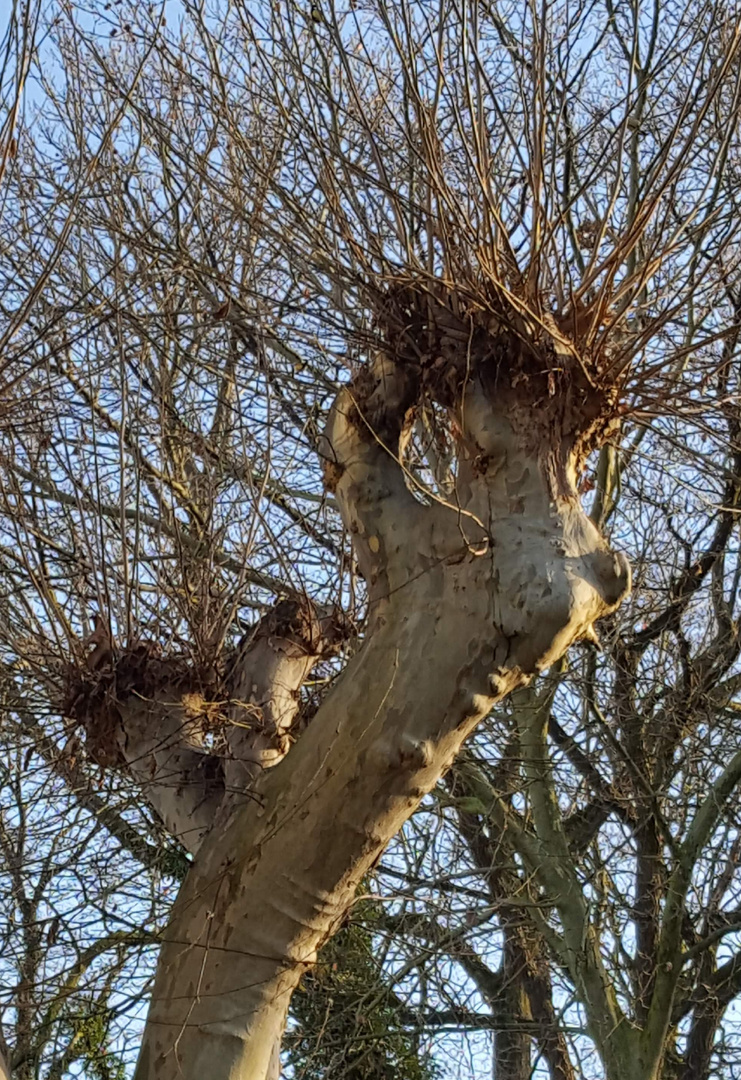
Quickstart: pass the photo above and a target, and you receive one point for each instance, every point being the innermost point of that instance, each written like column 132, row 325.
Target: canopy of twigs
column 212, row 217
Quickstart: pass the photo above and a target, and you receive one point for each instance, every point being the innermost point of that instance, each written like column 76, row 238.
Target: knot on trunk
column 268, row 670
column 297, row 625
column 520, row 395
column 191, row 736
column 95, row 696
column 442, row 337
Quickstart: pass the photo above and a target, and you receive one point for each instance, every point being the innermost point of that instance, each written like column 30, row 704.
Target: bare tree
column 412, row 268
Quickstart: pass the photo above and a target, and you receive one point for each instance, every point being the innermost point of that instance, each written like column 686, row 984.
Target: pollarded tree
column 432, row 248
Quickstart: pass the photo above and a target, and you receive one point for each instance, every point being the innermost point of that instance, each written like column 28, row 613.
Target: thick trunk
column 468, row 600
column 255, row 918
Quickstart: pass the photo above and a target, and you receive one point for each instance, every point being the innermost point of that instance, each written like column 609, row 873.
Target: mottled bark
column 266, row 676
column 468, row 600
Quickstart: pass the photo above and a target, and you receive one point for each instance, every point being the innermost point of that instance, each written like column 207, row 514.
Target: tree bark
column 4, row 1055
column 716, row 989
column 152, row 715
column 511, row 1046
column 468, row 600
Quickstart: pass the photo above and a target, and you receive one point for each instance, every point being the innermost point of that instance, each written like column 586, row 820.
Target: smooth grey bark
column 468, row 599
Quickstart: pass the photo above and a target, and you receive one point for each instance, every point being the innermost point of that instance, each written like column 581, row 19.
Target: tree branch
column 668, row 961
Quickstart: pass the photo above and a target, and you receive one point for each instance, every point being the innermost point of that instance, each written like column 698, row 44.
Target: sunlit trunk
column 468, row 600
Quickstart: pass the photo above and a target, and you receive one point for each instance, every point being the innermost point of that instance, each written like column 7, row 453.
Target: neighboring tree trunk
column 511, row 1009
column 525, row 971
column 468, row 599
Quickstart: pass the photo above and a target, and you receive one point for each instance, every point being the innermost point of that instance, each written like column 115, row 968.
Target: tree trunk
column 468, row 600
column 511, row 1010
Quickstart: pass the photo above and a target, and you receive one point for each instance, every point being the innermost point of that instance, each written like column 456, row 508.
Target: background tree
column 446, row 224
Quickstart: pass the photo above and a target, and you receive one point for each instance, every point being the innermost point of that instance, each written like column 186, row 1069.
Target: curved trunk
column 468, row 600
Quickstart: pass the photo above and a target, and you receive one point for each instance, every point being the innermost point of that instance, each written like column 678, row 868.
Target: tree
column 430, row 249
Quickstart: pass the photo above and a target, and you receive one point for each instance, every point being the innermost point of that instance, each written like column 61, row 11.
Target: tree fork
column 467, row 601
